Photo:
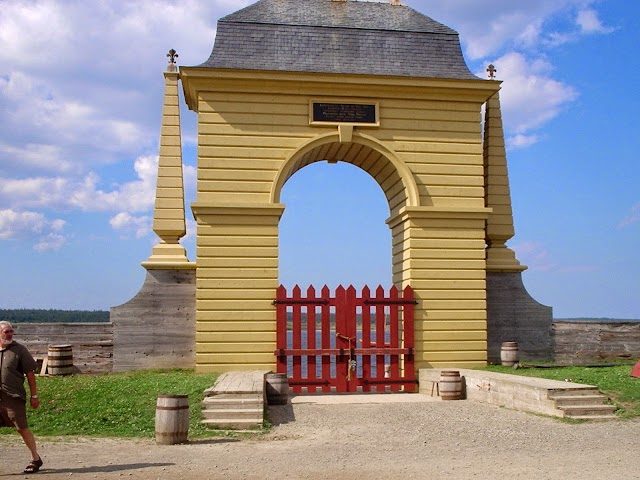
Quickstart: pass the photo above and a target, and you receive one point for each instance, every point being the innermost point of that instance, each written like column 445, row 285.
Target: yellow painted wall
column 254, row 132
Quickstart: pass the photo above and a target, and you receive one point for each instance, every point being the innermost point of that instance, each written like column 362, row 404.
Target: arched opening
column 333, row 229
column 363, row 154
column 333, row 234
column 367, row 153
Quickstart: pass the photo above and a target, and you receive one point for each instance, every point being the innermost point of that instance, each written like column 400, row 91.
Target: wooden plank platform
column 238, row 382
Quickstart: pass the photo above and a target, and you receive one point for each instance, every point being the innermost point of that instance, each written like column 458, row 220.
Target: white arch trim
column 413, row 199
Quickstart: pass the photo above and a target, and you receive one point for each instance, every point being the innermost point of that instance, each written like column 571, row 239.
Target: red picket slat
column 394, row 365
column 341, row 341
column 281, row 327
column 351, row 333
column 296, row 329
column 311, row 338
column 326, row 337
column 409, row 360
column 366, row 337
column 380, row 336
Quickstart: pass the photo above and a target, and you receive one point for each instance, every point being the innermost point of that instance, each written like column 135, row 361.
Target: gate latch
column 352, row 364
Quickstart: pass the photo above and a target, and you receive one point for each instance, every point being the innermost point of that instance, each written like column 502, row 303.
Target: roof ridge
column 346, row 27
column 351, row 14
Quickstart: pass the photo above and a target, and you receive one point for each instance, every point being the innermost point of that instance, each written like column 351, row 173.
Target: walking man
column 15, row 363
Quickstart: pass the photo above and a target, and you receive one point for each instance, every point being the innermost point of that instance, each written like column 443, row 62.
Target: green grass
column 123, row 404
column 615, row 382
column 114, row 405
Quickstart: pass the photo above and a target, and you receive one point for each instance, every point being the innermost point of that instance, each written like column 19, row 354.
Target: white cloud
column 52, row 241
column 529, row 96
column 34, row 157
column 632, row 217
column 488, row 27
column 140, row 226
column 516, row 37
column 135, row 196
column 84, row 194
column 20, row 225
column 45, row 130
column 54, row 29
column 86, row 90
column 521, row 141
column 589, row 22
column 13, row 224
column 491, row 27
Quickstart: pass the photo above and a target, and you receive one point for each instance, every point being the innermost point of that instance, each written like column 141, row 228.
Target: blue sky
column 80, row 105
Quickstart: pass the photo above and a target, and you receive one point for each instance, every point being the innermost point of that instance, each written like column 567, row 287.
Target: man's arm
column 31, row 379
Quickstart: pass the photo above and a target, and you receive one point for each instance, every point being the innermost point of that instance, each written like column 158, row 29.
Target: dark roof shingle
column 325, row 36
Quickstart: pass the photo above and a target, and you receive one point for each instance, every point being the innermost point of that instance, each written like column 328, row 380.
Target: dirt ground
column 430, row 440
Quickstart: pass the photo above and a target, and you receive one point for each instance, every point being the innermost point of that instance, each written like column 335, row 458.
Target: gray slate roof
column 324, row 36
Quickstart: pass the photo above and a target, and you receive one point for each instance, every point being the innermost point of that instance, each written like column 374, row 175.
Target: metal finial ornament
column 172, row 55
column 492, row 71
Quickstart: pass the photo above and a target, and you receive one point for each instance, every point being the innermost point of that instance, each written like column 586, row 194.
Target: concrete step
column 248, row 413
column 564, row 400
column 235, row 423
column 573, row 392
column 594, row 417
column 575, row 411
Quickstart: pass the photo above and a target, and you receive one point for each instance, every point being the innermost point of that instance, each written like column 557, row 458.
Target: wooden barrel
column 60, row 360
column 172, row 419
column 450, row 385
column 509, row 353
column 277, row 387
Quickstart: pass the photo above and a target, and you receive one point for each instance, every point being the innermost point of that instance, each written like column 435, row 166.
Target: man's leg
column 30, row 442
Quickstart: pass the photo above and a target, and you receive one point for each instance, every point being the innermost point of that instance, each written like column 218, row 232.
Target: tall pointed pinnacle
column 500, row 258
column 168, row 214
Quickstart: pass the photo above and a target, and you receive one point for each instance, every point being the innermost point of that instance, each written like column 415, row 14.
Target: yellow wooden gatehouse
column 382, row 87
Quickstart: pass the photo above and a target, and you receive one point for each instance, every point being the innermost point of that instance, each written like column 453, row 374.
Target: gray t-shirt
column 15, row 363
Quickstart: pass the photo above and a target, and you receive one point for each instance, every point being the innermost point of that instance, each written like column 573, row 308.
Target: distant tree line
column 27, row 315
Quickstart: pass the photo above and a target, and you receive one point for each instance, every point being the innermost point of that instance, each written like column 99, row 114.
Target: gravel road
column 429, row 440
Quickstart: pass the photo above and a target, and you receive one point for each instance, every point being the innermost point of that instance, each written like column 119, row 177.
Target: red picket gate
column 346, row 343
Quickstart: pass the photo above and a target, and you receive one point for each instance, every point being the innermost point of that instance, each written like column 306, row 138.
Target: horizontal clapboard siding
column 249, row 128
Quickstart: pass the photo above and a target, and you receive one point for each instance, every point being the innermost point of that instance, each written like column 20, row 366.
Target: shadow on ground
column 280, row 414
column 96, row 469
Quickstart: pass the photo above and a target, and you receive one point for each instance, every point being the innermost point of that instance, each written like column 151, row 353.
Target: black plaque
column 344, row 112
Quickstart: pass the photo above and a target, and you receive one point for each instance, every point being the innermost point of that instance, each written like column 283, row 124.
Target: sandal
column 34, row 466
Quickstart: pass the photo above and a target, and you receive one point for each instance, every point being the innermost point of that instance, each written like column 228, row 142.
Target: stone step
column 564, row 400
column 235, row 423
column 575, row 411
column 249, row 413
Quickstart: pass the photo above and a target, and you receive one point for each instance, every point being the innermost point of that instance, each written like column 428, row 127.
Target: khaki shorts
column 13, row 410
